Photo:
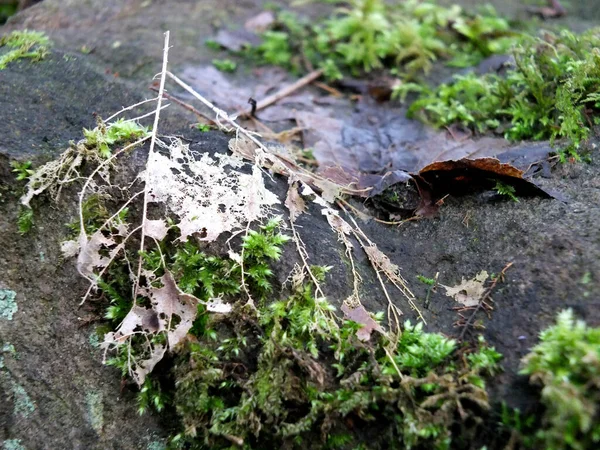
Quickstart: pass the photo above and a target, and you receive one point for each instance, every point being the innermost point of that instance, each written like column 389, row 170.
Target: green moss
column 33, row 45
column 104, row 137
column 8, row 305
column 566, row 365
column 25, row 220
column 224, row 65
column 550, row 92
column 296, row 375
column 363, row 35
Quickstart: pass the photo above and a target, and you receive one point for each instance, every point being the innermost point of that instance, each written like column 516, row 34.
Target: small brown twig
column 287, row 90
column 465, row 323
column 186, row 106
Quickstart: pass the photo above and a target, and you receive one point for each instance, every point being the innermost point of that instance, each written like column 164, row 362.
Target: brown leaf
column 294, row 202
column 361, row 316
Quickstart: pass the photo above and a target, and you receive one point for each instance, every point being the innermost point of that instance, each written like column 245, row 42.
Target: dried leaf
column 89, row 253
column 469, row 292
column 294, row 202
column 156, row 229
column 361, row 316
column 170, row 303
column 208, row 195
column 236, row 40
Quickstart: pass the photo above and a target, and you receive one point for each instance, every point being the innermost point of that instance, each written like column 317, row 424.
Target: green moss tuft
column 566, row 364
column 33, row 45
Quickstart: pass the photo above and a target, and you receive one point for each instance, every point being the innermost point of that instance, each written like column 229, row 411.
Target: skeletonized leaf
column 468, row 292
column 208, row 195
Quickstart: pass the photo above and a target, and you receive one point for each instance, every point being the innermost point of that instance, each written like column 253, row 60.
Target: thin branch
column 150, row 156
column 186, row 106
column 282, row 93
column 128, row 108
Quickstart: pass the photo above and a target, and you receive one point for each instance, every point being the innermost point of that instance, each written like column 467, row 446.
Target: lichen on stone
column 8, row 305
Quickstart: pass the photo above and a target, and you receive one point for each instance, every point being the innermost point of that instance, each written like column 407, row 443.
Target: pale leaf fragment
column 89, row 253
column 169, row 301
column 361, row 316
column 69, row 248
column 217, row 305
column 294, row 202
column 156, row 229
column 469, row 292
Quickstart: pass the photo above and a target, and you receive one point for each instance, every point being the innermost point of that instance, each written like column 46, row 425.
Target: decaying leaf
column 468, row 292
column 90, row 255
column 361, row 316
column 294, row 201
column 171, row 304
column 208, row 195
column 156, row 229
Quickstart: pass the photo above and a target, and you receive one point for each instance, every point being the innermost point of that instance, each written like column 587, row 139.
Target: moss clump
column 364, row 35
column 295, row 377
column 104, row 136
column 550, row 92
column 33, row 45
column 566, row 364
column 290, row 372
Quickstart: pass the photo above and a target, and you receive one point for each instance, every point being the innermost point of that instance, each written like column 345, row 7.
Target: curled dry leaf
column 468, row 292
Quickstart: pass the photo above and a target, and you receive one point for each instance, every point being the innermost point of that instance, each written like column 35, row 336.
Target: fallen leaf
column 236, row 40
column 469, row 292
column 156, row 229
column 361, row 316
column 294, row 201
column 171, row 303
column 260, row 23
